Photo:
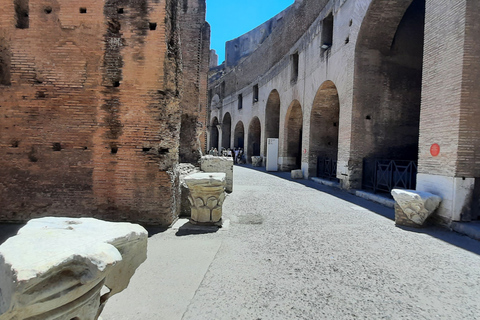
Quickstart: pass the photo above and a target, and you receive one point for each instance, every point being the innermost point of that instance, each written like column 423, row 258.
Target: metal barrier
column 326, row 168
column 384, row 174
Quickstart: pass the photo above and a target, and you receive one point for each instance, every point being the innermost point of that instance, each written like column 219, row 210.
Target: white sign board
column 272, row 154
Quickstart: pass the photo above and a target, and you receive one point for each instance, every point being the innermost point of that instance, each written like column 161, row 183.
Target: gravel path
column 296, row 252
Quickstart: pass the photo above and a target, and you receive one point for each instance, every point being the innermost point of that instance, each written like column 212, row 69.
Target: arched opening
column 272, row 117
column 214, row 133
column 254, row 135
column 226, row 130
column 189, row 144
column 292, row 149
column 239, row 135
column 324, row 122
column 387, row 96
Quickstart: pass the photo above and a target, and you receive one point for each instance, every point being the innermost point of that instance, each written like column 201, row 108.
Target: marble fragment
column 257, row 161
column 66, row 268
column 416, row 206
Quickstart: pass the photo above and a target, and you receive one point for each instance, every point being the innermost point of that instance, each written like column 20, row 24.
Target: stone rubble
column 412, row 208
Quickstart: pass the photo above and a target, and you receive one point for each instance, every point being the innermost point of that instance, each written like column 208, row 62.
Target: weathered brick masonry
column 90, row 107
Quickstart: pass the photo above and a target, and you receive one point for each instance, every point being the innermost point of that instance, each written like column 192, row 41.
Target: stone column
column 207, row 193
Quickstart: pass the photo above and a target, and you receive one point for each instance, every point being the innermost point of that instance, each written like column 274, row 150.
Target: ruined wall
column 195, row 35
column 90, row 111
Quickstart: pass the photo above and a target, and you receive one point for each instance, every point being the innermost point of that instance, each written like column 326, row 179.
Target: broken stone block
column 185, row 169
column 257, row 161
column 412, row 208
column 207, row 193
column 65, row 268
column 219, row 164
column 296, row 174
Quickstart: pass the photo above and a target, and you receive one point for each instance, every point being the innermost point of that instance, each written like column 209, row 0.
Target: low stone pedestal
column 207, row 193
column 63, row 268
column 296, row 174
column 257, row 161
column 219, row 164
column 412, row 208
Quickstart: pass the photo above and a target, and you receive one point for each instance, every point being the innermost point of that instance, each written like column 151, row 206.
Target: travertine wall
column 91, row 112
column 404, row 74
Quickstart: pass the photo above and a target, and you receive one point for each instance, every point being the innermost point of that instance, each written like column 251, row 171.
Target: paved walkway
column 295, row 251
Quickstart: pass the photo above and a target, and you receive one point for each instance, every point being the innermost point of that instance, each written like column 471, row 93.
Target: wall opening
column 21, row 14
column 214, row 134
column 272, row 117
column 226, row 130
column 189, row 143
column 240, row 101
column 327, row 32
column 254, row 139
column 292, row 146
column 386, row 118
column 83, row 10
column 57, row 146
column 239, row 135
column 323, row 142
column 255, row 93
column 294, row 67
column 152, row 26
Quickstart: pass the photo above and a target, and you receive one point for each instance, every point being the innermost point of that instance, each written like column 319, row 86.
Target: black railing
column 385, row 175
column 326, row 168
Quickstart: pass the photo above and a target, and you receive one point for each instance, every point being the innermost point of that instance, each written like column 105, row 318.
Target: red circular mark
column 435, row 150
column 304, row 151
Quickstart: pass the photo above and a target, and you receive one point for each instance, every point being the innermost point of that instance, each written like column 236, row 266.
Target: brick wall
column 90, row 122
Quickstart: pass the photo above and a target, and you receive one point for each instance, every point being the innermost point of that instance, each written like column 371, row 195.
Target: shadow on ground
column 438, row 232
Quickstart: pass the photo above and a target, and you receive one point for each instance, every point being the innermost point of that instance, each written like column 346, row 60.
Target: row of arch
column 323, row 134
column 385, row 118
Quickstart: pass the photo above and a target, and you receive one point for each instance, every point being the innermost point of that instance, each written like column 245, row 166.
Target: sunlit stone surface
column 412, row 207
column 64, row 268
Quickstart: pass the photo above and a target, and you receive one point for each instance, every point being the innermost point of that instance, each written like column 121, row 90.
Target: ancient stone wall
column 90, row 109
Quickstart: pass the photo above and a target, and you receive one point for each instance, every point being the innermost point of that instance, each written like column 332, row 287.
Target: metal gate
column 326, row 168
column 382, row 175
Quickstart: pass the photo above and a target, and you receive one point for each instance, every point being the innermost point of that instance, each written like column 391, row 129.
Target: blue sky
column 230, row 19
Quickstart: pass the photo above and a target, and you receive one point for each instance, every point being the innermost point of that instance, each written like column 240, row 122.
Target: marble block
column 207, row 193
column 412, row 208
column 66, row 268
column 296, row 174
column 257, row 161
column 219, row 164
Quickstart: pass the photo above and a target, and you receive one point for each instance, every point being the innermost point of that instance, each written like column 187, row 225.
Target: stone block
column 219, row 164
column 296, row 174
column 68, row 268
column 207, row 193
column 412, row 208
column 257, row 161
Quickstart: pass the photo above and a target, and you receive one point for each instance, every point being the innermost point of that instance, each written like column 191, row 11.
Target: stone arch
column 292, row 142
column 214, row 133
column 254, row 139
column 387, row 87
column 324, row 123
column 272, row 117
column 239, row 135
column 226, row 130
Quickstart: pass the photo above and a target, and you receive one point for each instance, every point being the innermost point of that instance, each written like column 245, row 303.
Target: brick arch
column 387, row 86
column 323, row 136
column 239, row 135
column 214, row 133
column 226, row 130
column 292, row 140
column 254, row 138
column 272, row 117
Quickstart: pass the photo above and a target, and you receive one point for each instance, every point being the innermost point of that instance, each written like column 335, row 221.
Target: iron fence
column 326, row 168
column 383, row 175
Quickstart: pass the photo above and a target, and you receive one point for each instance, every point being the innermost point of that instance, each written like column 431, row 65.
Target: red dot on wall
column 435, row 150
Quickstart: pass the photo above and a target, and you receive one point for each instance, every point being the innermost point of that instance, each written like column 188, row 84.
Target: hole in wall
column 350, row 23
column 347, row 40
column 120, row 11
column 152, row 25
column 335, row 124
column 113, row 150
column 47, row 10
column 116, row 84
column 146, row 149
column 163, row 151
column 368, row 117
column 32, row 156
column 83, row 10
column 40, row 95
column 14, row 143
column 57, row 146
column 85, row 148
